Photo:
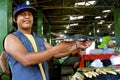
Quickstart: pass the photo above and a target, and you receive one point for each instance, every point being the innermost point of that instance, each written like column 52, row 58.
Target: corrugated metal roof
column 57, row 13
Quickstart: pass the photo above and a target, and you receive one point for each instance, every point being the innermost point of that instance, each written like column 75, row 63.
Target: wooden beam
column 72, row 7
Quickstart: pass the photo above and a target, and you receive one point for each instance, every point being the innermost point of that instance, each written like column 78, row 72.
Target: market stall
column 107, row 73
column 94, row 70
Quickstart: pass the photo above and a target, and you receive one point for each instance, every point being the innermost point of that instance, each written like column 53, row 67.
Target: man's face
column 25, row 20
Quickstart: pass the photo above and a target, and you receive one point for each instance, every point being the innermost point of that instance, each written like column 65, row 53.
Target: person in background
column 3, row 63
column 111, row 44
column 27, row 53
column 104, row 45
column 105, row 40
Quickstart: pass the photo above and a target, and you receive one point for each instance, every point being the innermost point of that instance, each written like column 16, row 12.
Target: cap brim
column 31, row 9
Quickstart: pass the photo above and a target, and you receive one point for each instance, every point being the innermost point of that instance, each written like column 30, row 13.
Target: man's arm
column 15, row 48
column 73, row 50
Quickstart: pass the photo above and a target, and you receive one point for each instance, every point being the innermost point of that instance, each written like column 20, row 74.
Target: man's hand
column 73, row 47
column 7, row 72
column 83, row 45
column 66, row 46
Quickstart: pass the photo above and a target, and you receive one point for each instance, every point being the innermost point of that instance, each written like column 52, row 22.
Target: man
column 27, row 53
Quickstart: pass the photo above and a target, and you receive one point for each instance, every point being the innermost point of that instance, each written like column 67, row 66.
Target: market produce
column 95, row 72
column 77, row 76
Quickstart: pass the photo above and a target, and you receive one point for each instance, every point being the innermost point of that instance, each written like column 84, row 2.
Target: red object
column 93, row 57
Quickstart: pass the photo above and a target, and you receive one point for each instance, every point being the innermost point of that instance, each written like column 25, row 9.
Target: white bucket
column 115, row 60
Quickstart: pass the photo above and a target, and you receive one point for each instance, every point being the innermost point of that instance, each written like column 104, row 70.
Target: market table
column 86, row 57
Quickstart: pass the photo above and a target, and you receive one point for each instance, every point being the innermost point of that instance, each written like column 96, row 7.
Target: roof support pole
column 117, row 26
column 39, row 22
column 5, row 19
column 48, row 33
column 95, row 27
column 5, row 23
column 40, row 26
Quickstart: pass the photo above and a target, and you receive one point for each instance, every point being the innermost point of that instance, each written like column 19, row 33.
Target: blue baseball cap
column 23, row 7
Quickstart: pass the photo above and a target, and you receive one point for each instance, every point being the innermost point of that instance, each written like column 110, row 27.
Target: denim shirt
column 20, row 72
